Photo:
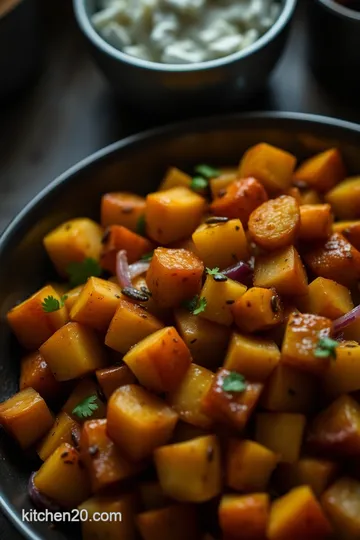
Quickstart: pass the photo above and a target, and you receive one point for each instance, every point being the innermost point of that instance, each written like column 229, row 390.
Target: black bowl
column 136, row 163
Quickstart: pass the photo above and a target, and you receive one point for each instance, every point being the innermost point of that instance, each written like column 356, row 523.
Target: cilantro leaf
column 201, row 306
column 86, row 407
column 326, row 347
column 79, row 272
column 207, row 171
column 217, row 275
column 198, row 183
column 147, row 257
column 196, row 305
column 51, row 304
column 234, row 382
column 141, row 226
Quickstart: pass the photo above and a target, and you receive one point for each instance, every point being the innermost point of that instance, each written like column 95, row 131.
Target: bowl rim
column 202, row 124
column 340, row 10
column 100, row 43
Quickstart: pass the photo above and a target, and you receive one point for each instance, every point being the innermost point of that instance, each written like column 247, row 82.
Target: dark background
column 71, row 112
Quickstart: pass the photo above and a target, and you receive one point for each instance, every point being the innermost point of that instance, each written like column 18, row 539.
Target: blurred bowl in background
column 152, row 85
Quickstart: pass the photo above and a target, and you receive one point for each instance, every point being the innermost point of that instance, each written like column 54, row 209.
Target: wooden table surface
column 71, row 112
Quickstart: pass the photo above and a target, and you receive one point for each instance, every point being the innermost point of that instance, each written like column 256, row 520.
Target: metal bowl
column 171, row 86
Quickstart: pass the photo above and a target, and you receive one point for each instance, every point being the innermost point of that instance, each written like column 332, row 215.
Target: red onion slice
column 344, row 321
column 41, row 501
column 122, row 269
column 138, row 268
column 240, row 272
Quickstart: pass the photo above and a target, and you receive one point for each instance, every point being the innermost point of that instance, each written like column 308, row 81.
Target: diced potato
column 249, row 465
column 122, row 209
column 73, row 241
column 104, row 462
column 244, row 516
column 313, row 472
column 186, row 399
column 349, row 229
column 138, row 421
column 345, row 198
column 175, row 522
column 310, row 196
column 83, row 390
column 206, row 340
column 31, row 324
column 335, row 431
column 341, row 503
column 174, row 275
column 282, row 270
column 298, row 516
column 282, row 433
column 130, row 324
column 190, row 471
column 159, row 361
column 252, row 356
column 96, row 304
column 343, row 375
column 73, row 351
column 232, row 408
column 64, row 430
column 289, row 390
column 337, row 259
column 152, row 496
column 315, row 221
column 219, row 297
column 35, row 373
column 221, row 244
column 272, row 166
column 72, row 296
column 258, row 309
column 26, row 417
column 62, row 477
column 327, row 298
column 173, row 214
column 174, row 178
column 219, row 184
column 113, row 377
column 118, row 237
column 239, row 199
column 322, row 171
column 120, row 524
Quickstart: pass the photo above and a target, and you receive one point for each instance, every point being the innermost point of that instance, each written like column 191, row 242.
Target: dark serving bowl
column 137, row 164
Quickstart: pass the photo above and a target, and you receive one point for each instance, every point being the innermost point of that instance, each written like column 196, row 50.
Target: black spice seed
column 134, row 294
column 220, row 277
column 210, row 453
column 193, row 341
column 274, row 302
column 216, row 219
column 117, row 296
column 64, row 454
column 145, row 290
column 106, row 236
column 93, row 450
column 127, row 210
column 237, row 228
column 229, row 302
column 75, row 439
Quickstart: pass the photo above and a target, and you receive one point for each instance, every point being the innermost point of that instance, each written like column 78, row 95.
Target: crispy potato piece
column 282, row 270
column 117, row 237
column 275, row 224
column 282, row 433
column 350, row 230
column 258, row 309
column 35, row 373
column 122, row 208
column 174, row 177
column 110, row 529
column 244, row 516
column 84, row 389
column 272, row 166
column 219, row 297
column 343, row 376
column 174, row 275
column 113, row 377
column 64, row 430
column 313, row 472
column 345, row 198
column 341, row 502
column 219, row 184
column 327, row 298
column 190, row 471
column 175, row 522
column 323, row 171
column 315, row 221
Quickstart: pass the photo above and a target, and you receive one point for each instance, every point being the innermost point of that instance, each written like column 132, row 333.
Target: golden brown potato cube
column 119, row 524
column 289, row 390
column 349, row 229
column 35, row 373
column 63, row 478
column 159, row 361
column 73, row 241
column 26, row 417
column 85, row 389
column 207, row 341
column 282, row 270
column 336, row 259
column 152, row 496
column 315, row 221
column 282, row 433
column 258, row 309
column 233, row 408
column 327, row 298
column 313, row 472
column 64, row 430
column 104, row 462
column 122, row 208
column 310, row 196
column 73, row 351
column 341, row 503
column 244, row 516
column 186, row 399
column 31, row 323
column 138, row 421
column 113, row 377
column 343, row 375
column 252, row 356
column 301, row 342
column 298, row 516
column 345, row 198
column 175, row 522
column 173, row 214
column 335, row 431
column 219, row 297
column 249, row 465
column 221, row 244
column 96, row 304
column 72, row 296
column 191, row 470
column 322, row 171
column 130, row 324
column 174, row 275
column 272, row 166
column 175, row 178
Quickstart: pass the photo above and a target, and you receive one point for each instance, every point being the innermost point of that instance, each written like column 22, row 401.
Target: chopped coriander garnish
column 196, row 305
column 201, row 306
column 86, row 407
column 326, row 347
column 234, row 382
column 50, row 304
column 141, row 226
column 198, row 183
column 207, row 171
column 79, row 272
column 147, row 257
column 216, row 273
